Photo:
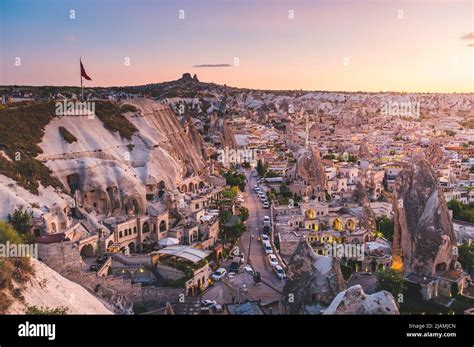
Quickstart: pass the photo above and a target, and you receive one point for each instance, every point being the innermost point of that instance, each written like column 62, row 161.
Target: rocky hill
column 145, row 145
column 48, row 289
column 424, row 239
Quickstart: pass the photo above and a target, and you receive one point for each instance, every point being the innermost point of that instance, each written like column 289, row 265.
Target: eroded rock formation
column 364, row 151
column 423, row 237
column 434, row 154
column 355, row 301
column 312, row 278
column 367, row 219
column 112, row 173
column 311, row 169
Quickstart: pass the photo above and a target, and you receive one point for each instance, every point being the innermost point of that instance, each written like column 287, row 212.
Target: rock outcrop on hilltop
column 312, row 278
column 424, row 239
column 310, row 168
column 355, row 301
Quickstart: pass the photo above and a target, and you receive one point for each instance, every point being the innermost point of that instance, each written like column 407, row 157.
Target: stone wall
column 65, row 259
column 156, row 297
column 169, row 273
column 60, row 256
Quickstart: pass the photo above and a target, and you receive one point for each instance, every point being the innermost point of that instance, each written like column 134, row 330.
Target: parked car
column 279, row 271
column 267, row 247
column 266, row 219
column 266, row 204
column 220, row 272
column 93, row 267
column 273, row 260
column 208, row 303
column 266, row 229
column 265, row 238
column 235, row 265
column 256, row 187
column 248, row 269
column 101, row 258
column 216, row 308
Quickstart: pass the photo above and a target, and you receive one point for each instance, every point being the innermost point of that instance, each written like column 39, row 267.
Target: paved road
column 256, row 255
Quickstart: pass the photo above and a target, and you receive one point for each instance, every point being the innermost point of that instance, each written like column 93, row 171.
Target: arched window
column 309, row 214
column 146, row 227
column 163, row 226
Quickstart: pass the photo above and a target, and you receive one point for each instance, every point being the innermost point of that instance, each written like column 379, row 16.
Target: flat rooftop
column 192, row 254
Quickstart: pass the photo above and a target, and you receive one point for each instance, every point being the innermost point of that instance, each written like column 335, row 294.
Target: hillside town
column 242, row 202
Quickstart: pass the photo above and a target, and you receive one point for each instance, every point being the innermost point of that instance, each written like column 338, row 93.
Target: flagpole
column 82, row 88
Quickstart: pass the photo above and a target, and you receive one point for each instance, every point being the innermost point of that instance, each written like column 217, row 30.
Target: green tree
column 352, row 158
column 261, row 168
column 7, row 233
column 14, row 271
column 392, row 281
column 271, row 173
column 230, row 193
column 461, row 211
column 271, row 195
column 21, row 220
column 329, row 156
column 466, row 256
column 244, row 214
column 34, row 310
column 386, row 226
column 235, row 179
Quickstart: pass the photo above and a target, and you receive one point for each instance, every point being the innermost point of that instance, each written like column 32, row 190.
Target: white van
column 267, row 247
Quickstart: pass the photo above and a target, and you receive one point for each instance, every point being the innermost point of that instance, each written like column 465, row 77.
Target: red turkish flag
column 83, row 72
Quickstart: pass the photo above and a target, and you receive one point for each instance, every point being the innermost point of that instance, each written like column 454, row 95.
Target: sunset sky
column 429, row 49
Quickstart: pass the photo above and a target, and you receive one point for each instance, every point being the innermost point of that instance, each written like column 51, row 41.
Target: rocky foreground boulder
column 355, row 301
column 424, row 239
column 311, row 278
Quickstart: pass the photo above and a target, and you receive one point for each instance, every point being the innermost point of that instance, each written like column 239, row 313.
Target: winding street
column 249, row 244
